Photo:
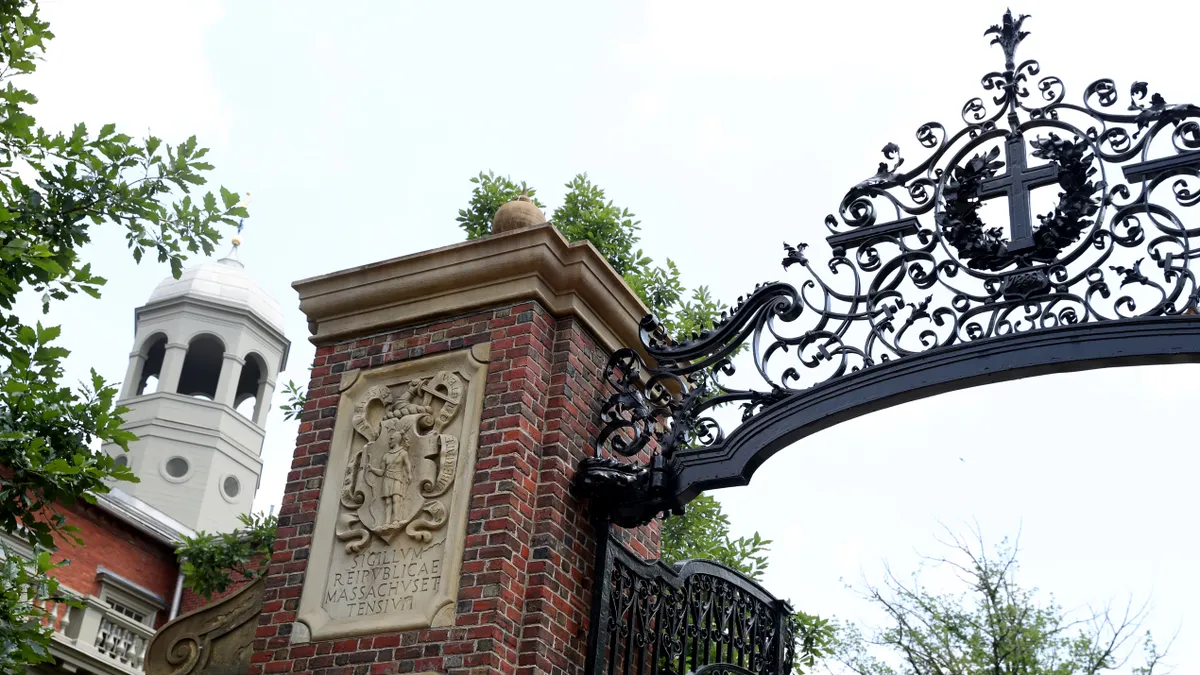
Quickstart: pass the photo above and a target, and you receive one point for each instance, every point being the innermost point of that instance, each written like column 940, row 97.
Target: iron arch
column 1135, row 342
column 920, row 296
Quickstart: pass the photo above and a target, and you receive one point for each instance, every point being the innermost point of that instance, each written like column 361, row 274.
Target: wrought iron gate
column 697, row 617
column 929, row 298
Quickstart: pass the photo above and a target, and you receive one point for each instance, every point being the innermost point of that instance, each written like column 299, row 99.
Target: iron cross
column 1016, row 185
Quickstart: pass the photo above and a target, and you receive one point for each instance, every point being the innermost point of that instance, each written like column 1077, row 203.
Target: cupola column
column 262, row 405
column 133, row 375
column 172, row 367
column 231, row 370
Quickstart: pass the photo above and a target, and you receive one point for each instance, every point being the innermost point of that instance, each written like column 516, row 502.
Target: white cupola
column 207, row 350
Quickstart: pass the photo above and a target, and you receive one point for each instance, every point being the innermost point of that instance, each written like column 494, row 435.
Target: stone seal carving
column 391, row 519
column 388, row 489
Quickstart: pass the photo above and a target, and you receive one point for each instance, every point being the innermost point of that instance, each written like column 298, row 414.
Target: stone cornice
column 568, row 279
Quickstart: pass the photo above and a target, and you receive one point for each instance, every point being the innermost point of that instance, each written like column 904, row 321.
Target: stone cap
column 517, row 214
column 536, row 263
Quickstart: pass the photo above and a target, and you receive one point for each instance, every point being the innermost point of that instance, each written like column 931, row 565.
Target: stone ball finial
column 517, row 215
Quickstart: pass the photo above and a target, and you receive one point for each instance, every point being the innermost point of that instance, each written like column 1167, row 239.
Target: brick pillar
column 546, row 314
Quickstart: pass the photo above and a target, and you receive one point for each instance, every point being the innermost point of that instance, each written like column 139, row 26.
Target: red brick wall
column 525, row 590
column 190, row 602
column 114, row 545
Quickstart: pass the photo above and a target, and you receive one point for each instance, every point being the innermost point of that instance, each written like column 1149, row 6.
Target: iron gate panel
column 697, row 617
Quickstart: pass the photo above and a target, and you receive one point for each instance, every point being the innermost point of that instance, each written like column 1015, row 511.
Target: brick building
column 208, row 348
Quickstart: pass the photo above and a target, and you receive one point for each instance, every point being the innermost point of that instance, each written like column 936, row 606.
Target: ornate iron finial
column 1008, row 35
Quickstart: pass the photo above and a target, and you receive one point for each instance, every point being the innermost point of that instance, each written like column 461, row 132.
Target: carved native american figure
column 393, row 483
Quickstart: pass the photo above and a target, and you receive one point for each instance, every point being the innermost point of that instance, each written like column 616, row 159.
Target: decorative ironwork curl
column 919, row 270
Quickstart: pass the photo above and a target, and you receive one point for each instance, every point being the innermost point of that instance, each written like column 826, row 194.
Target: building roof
column 144, row 517
column 224, row 282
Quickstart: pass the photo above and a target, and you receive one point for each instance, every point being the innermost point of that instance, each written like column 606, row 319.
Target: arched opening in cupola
column 246, row 400
column 202, row 367
column 153, row 351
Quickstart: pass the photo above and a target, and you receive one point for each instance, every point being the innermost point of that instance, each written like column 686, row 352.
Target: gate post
column 600, row 620
column 428, row 524
column 784, row 640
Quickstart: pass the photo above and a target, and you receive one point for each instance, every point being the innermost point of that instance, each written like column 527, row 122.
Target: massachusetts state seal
column 392, row 486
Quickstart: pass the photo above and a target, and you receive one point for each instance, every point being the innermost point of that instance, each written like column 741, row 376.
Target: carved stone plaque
column 388, row 543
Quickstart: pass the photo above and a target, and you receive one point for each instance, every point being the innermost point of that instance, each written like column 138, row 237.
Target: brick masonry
column 525, row 591
column 145, row 562
column 189, row 601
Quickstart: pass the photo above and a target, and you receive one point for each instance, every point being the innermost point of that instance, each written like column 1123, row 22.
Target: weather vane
column 237, row 238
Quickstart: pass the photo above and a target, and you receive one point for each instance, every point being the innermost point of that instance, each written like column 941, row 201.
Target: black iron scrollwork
column 918, row 270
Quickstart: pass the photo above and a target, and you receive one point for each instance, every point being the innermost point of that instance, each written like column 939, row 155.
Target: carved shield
column 393, row 483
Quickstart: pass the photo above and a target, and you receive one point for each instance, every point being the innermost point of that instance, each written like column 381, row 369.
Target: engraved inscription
column 385, row 581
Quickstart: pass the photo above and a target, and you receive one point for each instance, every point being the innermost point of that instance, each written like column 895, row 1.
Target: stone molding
column 568, row 279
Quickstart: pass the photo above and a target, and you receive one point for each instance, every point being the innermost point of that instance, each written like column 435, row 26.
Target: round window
column 121, row 460
column 231, row 486
column 177, row 467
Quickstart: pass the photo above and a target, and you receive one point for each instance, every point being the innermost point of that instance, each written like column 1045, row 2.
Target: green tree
column 587, row 214
column 55, row 188
column 212, row 563
column 702, row 532
column 994, row 625
column 25, row 587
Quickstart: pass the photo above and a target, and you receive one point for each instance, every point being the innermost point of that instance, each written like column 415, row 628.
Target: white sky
column 728, row 128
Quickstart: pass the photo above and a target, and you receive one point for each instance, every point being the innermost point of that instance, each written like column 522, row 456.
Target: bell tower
column 207, row 350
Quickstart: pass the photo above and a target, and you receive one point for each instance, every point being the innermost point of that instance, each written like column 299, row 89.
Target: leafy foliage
column 703, row 533
column 293, row 406
column 815, row 640
column 25, row 588
column 586, row 216
column 995, row 625
column 45, row 432
column 209, row 562
column 54, row 189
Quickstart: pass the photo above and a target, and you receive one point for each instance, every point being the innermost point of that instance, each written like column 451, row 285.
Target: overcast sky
column 727, row 128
